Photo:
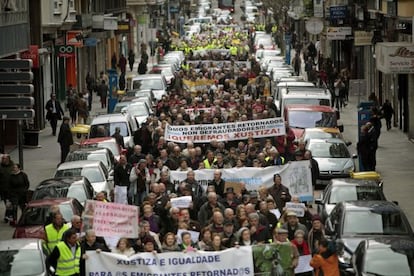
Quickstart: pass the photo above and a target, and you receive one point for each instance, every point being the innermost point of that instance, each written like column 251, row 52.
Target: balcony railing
column 13, row 18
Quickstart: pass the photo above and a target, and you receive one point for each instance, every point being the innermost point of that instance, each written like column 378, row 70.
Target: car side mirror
column 348, row 143
column 319, row 201
column 395, row 202
column 341, row 128
column 350, row 271
column 354, row 156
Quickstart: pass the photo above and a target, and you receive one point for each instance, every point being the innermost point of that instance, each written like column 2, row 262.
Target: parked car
column 346, row 189
column 333, row 158
column 34, row 217
column 321, row 133
column 156, row 82
column 301, row 117
column 95, row 171
column 122, row 105
column 77, row 187
column 104, row 142
column 350, row 222
column 23, row 257
column 104, row 155
column 108, row 122
column 140, row 111
column 392, row 256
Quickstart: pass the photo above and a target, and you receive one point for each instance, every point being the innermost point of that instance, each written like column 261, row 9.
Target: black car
column 77, row 187
column 346, row 189
column 390, row 256
column 350, row 222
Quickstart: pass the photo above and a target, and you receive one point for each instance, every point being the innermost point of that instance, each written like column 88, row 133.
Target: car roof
column 323, row 129
column 307, row 107
column 109, row 118
column 397, row 243
column 295, row 83
column 94, row 150
column 326, row 140
column 61, row 181
column 353, row 182
column 78, row 164
column 16, row 244
column 50, row 201
column 148, row 76
column 98, row 140
column 380, row 206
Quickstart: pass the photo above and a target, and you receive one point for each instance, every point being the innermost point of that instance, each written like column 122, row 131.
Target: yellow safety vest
column 54, row 236
column 207, row 164
column 67, row 264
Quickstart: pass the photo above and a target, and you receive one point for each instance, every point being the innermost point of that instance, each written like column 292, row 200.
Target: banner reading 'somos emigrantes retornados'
column 205, row 133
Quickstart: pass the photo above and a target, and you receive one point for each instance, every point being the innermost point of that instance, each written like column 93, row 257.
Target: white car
column 139, row 110
column 94, row 170
column 156, row 82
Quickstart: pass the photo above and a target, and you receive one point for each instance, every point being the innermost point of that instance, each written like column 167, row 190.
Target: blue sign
column 338, row 12
column 90, row 42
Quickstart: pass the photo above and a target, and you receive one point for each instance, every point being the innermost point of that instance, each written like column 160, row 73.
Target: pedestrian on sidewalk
column 90, row 85
column 6, row 167
column 103, row 93
column 65, row 139
column 18, row 186
column 54, row 112
column 122, row 63
column 131, row 59
column 387, row 113
column 82, row 108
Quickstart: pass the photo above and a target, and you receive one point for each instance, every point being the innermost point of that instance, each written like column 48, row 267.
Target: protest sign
column 120, row 194
column 273, row 259
column 235, row 185
column 295, row 175
column 194, row 235
column 111, row 219
column 181, row 202
column 303, row 264
column 196, row 263
column 204, row 133
column 298, row 208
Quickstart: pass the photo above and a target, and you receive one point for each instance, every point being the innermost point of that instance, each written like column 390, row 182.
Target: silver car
column 23, row 257
column 333, row 158
column 95, row 171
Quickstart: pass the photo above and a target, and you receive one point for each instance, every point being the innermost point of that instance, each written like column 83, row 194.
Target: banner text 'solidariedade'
column 204, row 133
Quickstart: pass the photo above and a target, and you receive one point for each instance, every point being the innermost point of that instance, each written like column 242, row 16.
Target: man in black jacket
column 122, row 171
column 65, row 139
column 279, row 192
column 54, row 112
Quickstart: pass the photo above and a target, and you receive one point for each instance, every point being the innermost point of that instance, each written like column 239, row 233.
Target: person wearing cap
column 229, row 238
column 292, row 224
column 279, row 192
column 54, row 112
column 316, row 233
column 280, row 236
column 230, row 200
column 65, row 139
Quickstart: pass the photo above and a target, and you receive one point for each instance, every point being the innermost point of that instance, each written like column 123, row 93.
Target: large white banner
column 295, row 175
column 227, row 262
column 224, row 132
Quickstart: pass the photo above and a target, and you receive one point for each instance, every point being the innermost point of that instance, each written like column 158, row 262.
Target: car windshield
column 21, row 262
column 329, row 150
column 148, row 83
column 75, row 156
column 53, row 191
column 307, row 100
column 386, row 261
column 307, row 119
column 109, row 129
column 346, row 193
column 137, row 110
column 38, row 215
column 370, row 222
column 92, row 174
column 319, row 135
column 120, row 106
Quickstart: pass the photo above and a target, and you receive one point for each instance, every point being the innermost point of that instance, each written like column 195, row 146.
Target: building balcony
column 83, row 21
column 14, row 18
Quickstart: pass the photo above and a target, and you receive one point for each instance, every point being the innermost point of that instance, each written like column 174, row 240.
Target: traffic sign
column 21, row 114
column 16, row 89
column 16, row 63
column 16, row 102
column 16, row 76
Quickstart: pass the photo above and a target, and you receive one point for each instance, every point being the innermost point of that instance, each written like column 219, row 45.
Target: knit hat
column 316, row 217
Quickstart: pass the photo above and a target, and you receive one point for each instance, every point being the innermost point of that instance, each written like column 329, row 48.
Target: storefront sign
column 363, row 38
column 110, row 23
column 74, row 38
column 318, row 8
column 338, row 12
column 225, row 132
column 65, row 51
column 338, row 33
column 395, row 57
column 33, row 54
